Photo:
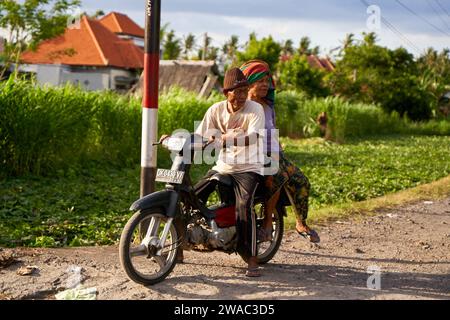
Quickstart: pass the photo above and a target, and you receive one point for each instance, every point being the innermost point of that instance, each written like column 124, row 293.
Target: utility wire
column 442, row 7
column 399, row 34
column 422, row 18
column 438, row 14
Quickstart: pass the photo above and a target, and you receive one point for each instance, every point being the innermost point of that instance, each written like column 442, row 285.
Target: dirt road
column 410, row 245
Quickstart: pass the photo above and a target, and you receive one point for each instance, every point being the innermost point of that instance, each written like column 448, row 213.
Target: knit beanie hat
column 234, row 78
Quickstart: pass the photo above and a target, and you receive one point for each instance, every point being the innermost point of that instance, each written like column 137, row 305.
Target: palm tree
column 172, row 46
column 98, row 14
column 230, row 49
column 348, row 41
column 163, row 33
column 304, row 47
column 188, row 45
column 204, row 52
column 288, row 48
column 370, row 38
column 315, row 51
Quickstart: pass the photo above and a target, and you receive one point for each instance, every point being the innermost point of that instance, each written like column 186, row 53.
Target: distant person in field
column 262, row 91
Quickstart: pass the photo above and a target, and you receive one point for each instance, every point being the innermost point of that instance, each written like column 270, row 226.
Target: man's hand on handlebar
column 163, row 137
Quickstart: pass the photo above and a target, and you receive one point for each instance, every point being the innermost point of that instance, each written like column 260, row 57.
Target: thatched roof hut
column 196, row 76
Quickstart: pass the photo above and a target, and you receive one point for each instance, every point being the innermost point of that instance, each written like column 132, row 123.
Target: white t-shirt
column 250, row 119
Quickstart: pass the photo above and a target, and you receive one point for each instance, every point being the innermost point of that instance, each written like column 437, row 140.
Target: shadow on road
column 282, row 281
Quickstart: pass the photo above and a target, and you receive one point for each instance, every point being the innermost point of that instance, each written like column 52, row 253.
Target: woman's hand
column 232, row 135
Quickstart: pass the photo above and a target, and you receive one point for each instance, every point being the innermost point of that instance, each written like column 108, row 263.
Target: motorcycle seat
column 223, row 179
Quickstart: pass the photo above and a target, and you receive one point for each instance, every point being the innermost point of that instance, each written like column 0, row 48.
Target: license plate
column 169, row 176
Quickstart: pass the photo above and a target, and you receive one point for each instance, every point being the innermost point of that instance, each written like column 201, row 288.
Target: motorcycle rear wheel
column 148, row 266
column 267, row 250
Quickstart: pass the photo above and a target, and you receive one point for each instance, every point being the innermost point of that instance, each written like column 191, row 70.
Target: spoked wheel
column 148, row 260
column 268, row 249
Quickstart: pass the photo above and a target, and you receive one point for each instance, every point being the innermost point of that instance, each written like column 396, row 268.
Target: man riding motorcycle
column 235, row 125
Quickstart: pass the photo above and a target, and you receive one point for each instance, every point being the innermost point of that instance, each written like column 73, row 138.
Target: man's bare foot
column 253, row 268
column 180, row 256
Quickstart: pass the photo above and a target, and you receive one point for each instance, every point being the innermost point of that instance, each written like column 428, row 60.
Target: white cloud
column 326, row 34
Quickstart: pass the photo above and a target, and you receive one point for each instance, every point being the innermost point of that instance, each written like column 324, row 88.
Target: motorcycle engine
column 212, row 237
column 196, row 234
column 224, row 239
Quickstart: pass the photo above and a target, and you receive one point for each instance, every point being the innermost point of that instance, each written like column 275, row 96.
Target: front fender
column 166, row 199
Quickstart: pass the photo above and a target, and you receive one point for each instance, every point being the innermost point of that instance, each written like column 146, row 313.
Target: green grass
column 364, row 169
column 436, row 190
column 369, row 168
column 47, row 129
column 296, row 115
column 90, row 206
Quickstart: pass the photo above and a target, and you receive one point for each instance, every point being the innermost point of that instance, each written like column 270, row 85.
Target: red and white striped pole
column 150, row 96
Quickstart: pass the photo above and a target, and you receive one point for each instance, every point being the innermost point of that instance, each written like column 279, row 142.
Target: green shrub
column 297, row 74
column 40, row 127
column 44, row 130
column 405, row 96
column 180, row 109
column 60, row 130
column 92, row 208
column 296, row 115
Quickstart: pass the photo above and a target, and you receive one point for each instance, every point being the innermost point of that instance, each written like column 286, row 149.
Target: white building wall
column 49, row 74
column 92, row 81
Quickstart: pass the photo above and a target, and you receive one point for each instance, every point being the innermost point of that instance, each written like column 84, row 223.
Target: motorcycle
column 175, row 219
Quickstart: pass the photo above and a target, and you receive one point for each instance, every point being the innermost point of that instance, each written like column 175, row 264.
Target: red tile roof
column 92, row 44
column 122, row 24
column 327, row 64
column 314, row 62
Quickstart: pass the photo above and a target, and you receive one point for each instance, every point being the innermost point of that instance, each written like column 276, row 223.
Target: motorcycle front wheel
column 152, row 263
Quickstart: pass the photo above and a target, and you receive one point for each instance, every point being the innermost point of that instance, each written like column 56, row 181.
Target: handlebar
column 177, row 144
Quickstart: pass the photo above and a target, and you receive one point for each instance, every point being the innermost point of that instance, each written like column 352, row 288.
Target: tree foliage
column 189, row 44
column 172, row 46
column 305, row 47
column 370, row 73
column 266, row 49
column 296, row 74
column 29, row 22
column 230, row 49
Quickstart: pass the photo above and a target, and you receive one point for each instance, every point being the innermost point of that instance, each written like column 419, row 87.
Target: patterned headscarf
column 255, row 70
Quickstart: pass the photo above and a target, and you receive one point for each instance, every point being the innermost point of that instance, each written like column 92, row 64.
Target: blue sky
column 326, row 22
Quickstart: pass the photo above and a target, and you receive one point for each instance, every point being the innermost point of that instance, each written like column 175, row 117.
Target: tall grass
column 44, row 130
column 48, row 130
column 42, row 127
column 180, row 109
column 297, row 114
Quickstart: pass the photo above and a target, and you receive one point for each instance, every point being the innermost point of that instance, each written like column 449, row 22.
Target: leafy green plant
column 60, row 130
column 91, row 208
column 266, row 49
column 296, row 74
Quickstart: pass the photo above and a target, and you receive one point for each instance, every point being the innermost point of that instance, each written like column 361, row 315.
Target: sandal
column 253, row 272
column 310, row 235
